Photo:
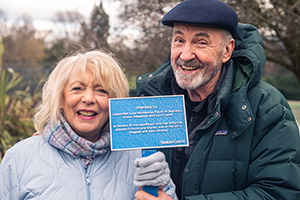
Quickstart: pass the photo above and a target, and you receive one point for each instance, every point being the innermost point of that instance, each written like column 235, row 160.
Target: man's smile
column 189, row 68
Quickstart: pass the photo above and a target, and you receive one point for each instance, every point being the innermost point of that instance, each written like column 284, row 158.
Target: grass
column 295, row 105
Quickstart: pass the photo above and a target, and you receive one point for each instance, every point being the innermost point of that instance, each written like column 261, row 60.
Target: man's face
column 196, row 55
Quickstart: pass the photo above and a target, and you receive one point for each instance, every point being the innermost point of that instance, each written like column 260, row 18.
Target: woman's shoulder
column 26, row 148
column 32, row 142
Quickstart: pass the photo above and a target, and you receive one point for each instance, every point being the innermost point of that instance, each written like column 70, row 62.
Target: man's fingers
column 162, row 181
column 153, row 169
column 146, row 161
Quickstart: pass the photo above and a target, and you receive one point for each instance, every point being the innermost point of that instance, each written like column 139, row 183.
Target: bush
column 15, row 109
column 287, row 84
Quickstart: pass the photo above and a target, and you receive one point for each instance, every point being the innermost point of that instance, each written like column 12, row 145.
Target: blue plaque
column 147, row 122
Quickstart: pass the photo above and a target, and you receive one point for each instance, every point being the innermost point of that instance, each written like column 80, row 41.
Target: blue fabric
column 33, row 169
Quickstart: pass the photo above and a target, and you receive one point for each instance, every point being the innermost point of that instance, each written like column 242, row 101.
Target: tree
column 151, row 46
column 68, row 22
column 56, row 51
column 3, row 23
column 67, row 35
column 21, row 44
column 278, row 22
column 96, row 32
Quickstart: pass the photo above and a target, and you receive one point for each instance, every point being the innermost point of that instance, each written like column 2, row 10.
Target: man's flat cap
column 209, row 13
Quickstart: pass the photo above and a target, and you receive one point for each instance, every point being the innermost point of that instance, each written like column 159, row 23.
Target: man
column 244, row 141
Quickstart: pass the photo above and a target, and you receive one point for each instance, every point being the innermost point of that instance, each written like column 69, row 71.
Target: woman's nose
column 88, row 97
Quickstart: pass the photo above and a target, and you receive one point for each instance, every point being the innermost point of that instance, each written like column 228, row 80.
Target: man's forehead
column 179, row 27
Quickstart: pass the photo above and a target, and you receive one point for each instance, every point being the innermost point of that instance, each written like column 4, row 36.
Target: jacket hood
column 248, row 59
column 248, row 56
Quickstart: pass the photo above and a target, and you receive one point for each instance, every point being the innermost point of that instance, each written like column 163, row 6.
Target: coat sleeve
column 170, row 190
column 9, row 184
column 274, row 169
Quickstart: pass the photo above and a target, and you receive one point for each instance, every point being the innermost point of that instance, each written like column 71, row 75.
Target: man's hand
column 142, row 195
column 152, row 170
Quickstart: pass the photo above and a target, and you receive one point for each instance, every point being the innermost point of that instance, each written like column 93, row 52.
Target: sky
column 42, row 11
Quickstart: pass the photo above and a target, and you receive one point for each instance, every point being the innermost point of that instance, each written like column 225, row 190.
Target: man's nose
column 187, row 53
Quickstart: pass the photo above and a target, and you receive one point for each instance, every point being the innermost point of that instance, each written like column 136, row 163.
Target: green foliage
column 56, row 51
column 15, row 107
column 295, row 105
column 15, row 122
column 287, row 84
column 132, row 86
column 1, row 52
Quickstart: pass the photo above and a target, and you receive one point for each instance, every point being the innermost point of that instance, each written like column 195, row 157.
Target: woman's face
column 85, row 105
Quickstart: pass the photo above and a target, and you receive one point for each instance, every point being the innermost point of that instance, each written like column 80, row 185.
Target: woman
column 70, row 157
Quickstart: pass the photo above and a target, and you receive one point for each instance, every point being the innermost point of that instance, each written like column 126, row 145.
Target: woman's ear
column 228, row 50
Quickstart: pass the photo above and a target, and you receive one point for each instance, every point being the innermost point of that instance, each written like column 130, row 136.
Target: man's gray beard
column 194, row 81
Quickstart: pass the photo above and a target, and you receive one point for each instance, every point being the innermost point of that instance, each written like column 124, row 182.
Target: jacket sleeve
column 9, row 184
column 274, row 169
column 170, row 190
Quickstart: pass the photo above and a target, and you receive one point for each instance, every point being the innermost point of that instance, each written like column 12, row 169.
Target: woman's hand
column 142, row 195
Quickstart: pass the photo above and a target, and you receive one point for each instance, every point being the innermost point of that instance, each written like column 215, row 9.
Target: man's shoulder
column 269, row 102
column 267, row 92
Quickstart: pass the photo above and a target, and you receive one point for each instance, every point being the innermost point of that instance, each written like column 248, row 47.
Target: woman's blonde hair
column 105, row 69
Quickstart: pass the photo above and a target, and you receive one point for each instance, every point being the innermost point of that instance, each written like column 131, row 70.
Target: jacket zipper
column 86, row 172
column 87, row 178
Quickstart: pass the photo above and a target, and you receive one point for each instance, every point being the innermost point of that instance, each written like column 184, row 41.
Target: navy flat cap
column 209, row 13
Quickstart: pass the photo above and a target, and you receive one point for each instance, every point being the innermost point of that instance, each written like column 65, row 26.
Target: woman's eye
column 102, row 91
column 76, row 88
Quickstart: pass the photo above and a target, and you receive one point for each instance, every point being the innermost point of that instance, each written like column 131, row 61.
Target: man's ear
column 228, row 50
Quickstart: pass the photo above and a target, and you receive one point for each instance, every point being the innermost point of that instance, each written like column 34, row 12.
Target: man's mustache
column 191, row 63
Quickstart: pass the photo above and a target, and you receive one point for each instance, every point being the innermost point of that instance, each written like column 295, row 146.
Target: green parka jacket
column 250, row 147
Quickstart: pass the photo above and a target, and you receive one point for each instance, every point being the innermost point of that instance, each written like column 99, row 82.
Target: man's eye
column 178, row 40
column 202, row 42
